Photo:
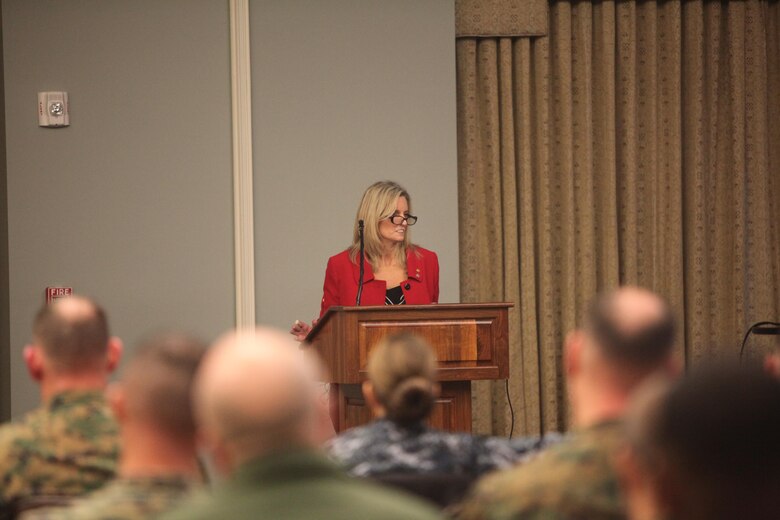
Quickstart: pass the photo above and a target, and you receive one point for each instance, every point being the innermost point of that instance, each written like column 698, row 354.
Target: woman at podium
column 395, row 271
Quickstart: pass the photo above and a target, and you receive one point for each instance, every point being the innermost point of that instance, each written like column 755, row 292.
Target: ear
column 113, row 353
column 214, row 452
column 674, row 366
column 33, row 359
column 573, row 347
column 368, row 393
column 649, row 493
column 632, row 482
column 373, row 403
column 772, row 364
column 627, row 468
column 115, row 395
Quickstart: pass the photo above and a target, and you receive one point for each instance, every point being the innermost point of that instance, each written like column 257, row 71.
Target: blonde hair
column 378, row 203
column 402, row 371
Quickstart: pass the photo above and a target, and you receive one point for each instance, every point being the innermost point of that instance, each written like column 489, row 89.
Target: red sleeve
column 330, row 289
column 434, row 268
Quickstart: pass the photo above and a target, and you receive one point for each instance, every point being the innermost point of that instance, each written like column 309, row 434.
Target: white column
column 243, row 199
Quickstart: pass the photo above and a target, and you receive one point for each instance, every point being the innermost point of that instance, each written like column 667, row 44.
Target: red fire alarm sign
column 55, row 293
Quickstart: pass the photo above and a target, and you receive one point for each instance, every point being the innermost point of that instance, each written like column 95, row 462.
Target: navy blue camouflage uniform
column 384, row 447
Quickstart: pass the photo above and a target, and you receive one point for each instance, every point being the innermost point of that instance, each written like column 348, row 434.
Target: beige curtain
column 637, row 142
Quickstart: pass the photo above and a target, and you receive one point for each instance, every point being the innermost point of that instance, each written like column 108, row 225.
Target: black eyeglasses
column 399, row 219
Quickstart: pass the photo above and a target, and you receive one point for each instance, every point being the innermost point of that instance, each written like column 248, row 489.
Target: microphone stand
column 362, row 264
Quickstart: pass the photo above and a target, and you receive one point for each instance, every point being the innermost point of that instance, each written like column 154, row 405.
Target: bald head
column 255, row 393
column 73, row 333
column 632, row 327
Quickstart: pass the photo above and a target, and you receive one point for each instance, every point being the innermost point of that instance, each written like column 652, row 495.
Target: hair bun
column 411, row 401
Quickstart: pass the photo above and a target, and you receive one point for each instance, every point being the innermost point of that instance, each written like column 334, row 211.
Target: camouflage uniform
column 384, row 447
column 123, row 499
column 68, row 446
column 574, row 480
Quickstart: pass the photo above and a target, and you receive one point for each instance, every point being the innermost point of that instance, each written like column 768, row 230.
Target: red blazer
column 342, row 276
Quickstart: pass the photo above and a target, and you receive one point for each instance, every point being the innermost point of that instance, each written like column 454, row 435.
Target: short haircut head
column 402, row 371
column 73, row 333
column 256, row 393
column 712, row 441
column 632, row 327
column 158, row 382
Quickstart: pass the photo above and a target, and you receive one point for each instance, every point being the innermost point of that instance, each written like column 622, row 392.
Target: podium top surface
column 401, row 309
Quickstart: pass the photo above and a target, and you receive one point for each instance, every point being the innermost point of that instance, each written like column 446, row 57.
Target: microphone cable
column 362, row 264
column 511, row 409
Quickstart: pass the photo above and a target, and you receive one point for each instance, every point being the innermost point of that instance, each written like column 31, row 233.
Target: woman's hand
column 301, row 329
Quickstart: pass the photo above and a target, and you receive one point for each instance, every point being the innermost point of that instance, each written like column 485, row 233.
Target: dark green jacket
column 301, row 485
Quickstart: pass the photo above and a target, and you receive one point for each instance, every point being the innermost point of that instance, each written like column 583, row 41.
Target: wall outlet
column 53, row 109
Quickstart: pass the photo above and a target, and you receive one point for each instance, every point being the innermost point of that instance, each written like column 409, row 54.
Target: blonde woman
column 396, row 271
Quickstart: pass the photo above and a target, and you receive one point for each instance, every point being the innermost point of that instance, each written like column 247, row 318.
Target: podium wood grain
column 470, row 341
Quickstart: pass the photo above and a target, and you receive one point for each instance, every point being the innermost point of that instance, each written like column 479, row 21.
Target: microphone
column 362, row 263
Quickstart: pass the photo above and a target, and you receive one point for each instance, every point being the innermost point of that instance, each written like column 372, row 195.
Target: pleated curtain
column 636, row 142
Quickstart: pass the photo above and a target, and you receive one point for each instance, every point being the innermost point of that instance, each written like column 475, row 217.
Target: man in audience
column 707, row 447
column 628, row 336
column 70, row 444
column 158, row 465
column 257, row 404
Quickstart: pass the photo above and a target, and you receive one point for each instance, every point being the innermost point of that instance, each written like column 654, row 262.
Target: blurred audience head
column 632, row 326
column 706, row 447
column 256, row 394
column 402, row 379
column 156, row 386
column 71, row 339
column 627, row 336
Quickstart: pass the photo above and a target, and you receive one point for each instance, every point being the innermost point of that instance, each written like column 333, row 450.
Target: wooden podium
column 471, row 342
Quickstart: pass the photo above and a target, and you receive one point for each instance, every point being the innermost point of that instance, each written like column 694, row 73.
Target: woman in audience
column 401, row 391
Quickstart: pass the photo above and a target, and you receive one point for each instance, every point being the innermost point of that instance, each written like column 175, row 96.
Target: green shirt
column 572, row 480
column 122, row 499
column 302, row 485
column 68, row 446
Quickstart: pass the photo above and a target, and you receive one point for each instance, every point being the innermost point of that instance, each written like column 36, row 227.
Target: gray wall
column 347, row 92
column 5, row 354
column 132, row 203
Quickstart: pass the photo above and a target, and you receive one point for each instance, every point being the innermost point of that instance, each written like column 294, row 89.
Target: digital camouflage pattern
column 573, row 480
column 122, row 499
column 384, row 447
column 69, row 446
